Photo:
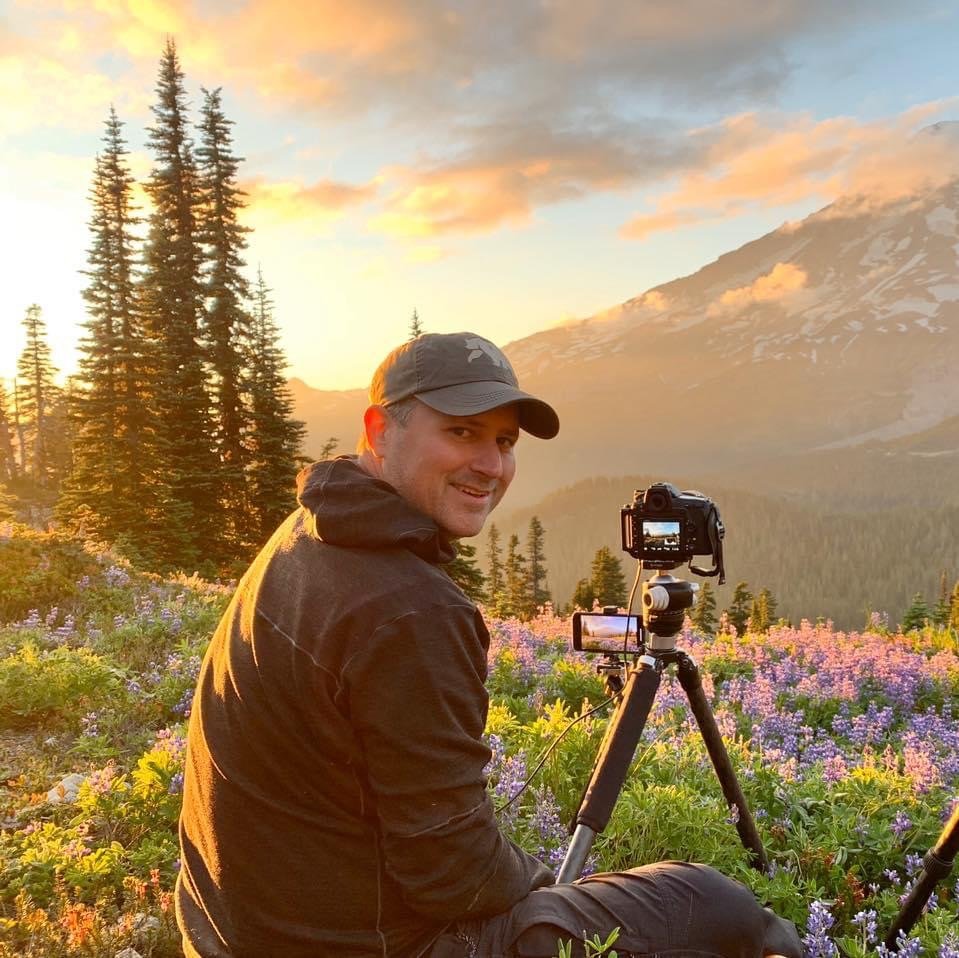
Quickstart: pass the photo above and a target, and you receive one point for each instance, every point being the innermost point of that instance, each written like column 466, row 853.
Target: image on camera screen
column 609, row 627
column 661, row 535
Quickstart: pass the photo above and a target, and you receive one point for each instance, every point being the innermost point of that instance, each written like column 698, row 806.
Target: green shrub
column 39, row 569
column 52, row 686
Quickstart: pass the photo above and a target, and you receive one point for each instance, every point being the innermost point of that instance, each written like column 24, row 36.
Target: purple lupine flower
column 176, row 784
column 949, row 947
column 866, row 922
column 116, row 576
column 89, row 726
column 817, row 942
column 900, row 824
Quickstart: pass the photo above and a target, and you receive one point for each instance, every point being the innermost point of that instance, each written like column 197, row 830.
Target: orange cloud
column 775, row 161
column 784, row 280
column 286, row 201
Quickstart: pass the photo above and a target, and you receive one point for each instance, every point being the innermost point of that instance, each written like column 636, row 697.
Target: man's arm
column 418, row 703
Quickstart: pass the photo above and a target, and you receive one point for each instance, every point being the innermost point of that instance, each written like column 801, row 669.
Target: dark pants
column 671, row 908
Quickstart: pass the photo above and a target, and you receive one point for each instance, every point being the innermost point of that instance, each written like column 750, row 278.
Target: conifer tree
column 583, row 595
column 416, row 327
column 759, row 614
column 740, row 607
column 225, row 291
column 940, row 614
column 536, row 559
column 606, row 578
column 182, row 452
column 107, row 488
column 37, row 396
column 275, row 438
column 464, row 571
column 8, row 459
column 704, row 612
column 515, row 581
column 954, row 608
column 917, row 614
column 494, row 573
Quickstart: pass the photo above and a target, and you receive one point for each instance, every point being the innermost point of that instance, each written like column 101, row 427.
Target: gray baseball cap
column 459, row 374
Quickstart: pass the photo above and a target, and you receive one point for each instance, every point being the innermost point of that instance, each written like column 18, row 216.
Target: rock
column 145, row 927
column 128, row 953
column 66, row 789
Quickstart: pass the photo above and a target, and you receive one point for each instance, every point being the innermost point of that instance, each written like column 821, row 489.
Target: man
column 334, row 801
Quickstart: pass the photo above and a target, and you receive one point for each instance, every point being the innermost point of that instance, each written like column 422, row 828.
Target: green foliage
column 464, row 571
column 37, row 398
column 39, row 569
column 704, row 612
column 917, row 615
column 762, row 612
column 741, row 606
column 494, row 575
column 39, row 687
column 536, row 563
column 416, row 327
column 606, row 578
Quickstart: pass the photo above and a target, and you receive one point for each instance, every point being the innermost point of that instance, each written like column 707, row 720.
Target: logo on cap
column 479, row 347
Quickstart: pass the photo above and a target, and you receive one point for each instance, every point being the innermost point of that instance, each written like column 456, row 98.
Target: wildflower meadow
column 846, row 744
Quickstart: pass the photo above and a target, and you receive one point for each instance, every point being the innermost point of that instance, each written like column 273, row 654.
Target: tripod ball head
column 665, row 601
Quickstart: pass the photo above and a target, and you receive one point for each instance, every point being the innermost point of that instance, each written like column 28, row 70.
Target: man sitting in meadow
column 335, row 802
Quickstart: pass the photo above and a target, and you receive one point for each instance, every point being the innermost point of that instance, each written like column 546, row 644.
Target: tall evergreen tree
column 954, row 608
column 37, row 396
column 536, row 564
column 515, row 581
column 107, row 486
column 274, row 438
column 584, row 595
column 183, row 455
column 464, row 571
column 416, row 327
column 761, row 611
column 8, row 458
column 704, row 612
column 226, row 291
column 606, row 578
column 740, row 607
column 940, row 614
column 494, row 574
column 917, row 615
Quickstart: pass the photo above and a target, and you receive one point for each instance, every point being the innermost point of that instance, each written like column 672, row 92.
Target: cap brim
column 465, row 399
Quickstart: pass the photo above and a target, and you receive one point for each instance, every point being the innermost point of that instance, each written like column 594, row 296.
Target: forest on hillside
column 816, row 561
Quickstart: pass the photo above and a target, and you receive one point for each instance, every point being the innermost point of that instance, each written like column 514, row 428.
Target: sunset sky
column 499, row 166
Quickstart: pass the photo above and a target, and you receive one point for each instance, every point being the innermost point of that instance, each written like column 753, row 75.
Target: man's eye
column 507, row 442
column 461, row 431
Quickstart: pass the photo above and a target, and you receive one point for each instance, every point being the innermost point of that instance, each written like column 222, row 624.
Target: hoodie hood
column 349, row 507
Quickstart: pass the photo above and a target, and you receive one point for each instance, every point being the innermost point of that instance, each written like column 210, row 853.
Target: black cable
column 545, row 755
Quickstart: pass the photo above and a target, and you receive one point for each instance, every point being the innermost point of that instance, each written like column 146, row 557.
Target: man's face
column 453, row 468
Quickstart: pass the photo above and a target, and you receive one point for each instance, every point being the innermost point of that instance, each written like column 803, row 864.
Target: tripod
column 665, row 600
column 935, row 866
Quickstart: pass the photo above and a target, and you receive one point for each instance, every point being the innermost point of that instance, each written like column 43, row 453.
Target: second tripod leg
column 748, row 834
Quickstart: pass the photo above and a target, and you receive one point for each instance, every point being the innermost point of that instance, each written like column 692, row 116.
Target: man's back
column 334, row 799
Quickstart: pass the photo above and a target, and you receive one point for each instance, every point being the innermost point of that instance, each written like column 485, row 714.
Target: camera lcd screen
column 595, row 632
column 661, row 537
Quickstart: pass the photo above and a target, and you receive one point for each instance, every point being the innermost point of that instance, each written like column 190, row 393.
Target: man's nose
column 488, row 460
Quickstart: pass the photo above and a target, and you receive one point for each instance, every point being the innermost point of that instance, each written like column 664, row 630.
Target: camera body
column 664, row 527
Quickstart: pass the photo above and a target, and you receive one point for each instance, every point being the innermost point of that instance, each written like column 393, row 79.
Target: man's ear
column 377, row 424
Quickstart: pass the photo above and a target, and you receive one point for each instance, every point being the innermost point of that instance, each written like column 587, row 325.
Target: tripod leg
column 935, row 866
column 748, row 834
column 612, row 764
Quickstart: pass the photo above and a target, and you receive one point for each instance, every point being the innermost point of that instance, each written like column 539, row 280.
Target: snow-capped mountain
column 839, row 332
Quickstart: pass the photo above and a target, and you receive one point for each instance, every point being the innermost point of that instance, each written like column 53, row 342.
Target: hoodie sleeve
column 418, row 703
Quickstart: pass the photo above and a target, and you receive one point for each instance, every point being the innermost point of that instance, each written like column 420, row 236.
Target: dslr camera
column 664, row 528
